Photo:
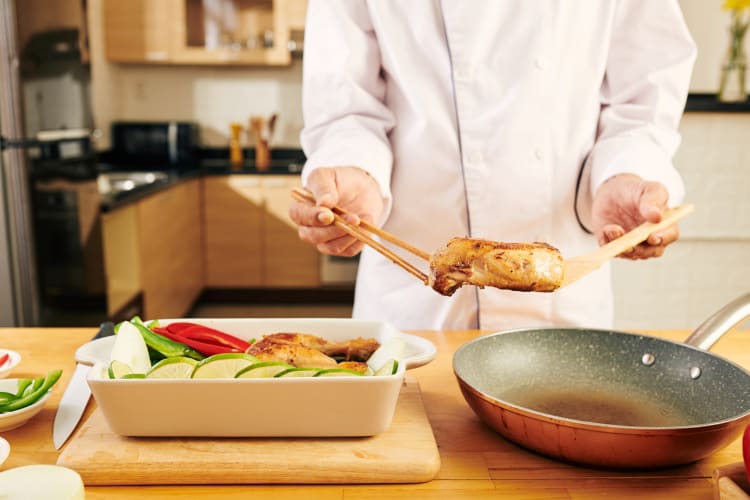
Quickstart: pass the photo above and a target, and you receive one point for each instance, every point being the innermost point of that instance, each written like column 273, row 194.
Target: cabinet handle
column 244, row 181
column 275, row 183
column 156, row 55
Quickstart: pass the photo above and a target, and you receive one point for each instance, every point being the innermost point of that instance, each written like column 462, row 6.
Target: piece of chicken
column 305, row 350
column 358, row 349
column 295, row 354
column 529, row 267
column 357, row 366
column 304, row 339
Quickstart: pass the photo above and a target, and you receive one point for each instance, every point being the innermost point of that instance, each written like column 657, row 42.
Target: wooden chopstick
column 370, row 227
column 358, row 233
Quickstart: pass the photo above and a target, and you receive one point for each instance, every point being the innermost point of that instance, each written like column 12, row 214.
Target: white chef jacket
column 476, row 118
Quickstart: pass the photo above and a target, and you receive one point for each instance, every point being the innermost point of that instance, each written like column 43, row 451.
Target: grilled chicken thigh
column 530, row 267
column 358, row 349
column 308, row 351
column 301, row 356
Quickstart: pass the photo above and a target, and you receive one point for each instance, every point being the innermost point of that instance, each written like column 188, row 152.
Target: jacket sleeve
column 643, row 95
column 346, row 122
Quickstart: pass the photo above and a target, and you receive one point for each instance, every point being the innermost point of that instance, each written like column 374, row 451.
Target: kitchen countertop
column 111, row 202
column 709, row 103
column 214, row 162
column 476, row 462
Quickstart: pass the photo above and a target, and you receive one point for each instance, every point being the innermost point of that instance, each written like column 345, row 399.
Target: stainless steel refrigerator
column 19, row 302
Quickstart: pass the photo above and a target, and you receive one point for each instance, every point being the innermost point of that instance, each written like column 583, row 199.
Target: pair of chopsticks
column 360, row 233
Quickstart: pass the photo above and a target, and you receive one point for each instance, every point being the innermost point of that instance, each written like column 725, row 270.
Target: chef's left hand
column 626, row 201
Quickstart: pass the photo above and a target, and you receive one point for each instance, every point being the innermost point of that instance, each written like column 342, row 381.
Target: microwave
column 156, row 144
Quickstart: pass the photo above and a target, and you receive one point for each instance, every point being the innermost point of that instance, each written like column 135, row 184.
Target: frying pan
column 607, row 398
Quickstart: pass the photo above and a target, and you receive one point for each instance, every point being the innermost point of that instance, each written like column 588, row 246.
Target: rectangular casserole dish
column 274, row 407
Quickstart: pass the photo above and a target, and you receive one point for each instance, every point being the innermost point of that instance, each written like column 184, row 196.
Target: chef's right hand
column 350, row 188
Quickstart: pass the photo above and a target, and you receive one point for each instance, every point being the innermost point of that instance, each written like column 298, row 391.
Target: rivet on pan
column 648, row 359
column 695, row 372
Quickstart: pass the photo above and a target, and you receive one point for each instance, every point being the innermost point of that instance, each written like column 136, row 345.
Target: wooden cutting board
column 405, row 453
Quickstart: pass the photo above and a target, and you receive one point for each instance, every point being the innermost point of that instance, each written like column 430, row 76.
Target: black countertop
column 212, row 162
column 708, row 103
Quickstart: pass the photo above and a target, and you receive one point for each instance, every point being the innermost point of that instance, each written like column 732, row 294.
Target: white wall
column 710, row 264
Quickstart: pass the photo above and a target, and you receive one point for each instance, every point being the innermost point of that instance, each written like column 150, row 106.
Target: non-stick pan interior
column 604, row 377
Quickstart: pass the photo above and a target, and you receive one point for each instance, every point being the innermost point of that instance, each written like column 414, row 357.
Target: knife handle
column 106, row 329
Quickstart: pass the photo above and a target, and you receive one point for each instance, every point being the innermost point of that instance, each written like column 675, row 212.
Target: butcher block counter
column 475, row 462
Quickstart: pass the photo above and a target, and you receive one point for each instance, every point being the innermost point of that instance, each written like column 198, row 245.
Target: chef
column 515, row 121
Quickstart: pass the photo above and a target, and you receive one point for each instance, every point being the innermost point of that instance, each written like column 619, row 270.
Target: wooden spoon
column 578, row 267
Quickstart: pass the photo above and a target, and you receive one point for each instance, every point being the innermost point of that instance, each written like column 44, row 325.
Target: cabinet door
column 256, row 33
column 121, row 257
column 295, row 12
column 139, row 30
column 290, row 262
column 169, row 240
column 233, row 215
column 184, row 32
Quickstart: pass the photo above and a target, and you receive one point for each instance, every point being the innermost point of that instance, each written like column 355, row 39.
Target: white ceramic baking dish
column 276, row 407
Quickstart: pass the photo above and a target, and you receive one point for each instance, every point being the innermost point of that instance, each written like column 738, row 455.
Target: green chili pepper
column 33, row 396
column 165, row 346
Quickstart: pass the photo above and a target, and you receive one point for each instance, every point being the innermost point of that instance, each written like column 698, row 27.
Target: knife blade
column 76, row 396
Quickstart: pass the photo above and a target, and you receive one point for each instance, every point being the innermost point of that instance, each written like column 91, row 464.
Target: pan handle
column 720, row 323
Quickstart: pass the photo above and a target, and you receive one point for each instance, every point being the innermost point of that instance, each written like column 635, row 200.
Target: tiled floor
column 271, row 311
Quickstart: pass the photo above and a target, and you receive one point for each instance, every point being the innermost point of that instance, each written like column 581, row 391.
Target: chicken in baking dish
column 530, row 267
column 308, row 351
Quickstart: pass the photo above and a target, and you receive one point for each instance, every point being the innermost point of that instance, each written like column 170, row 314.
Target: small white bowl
column 4, row 451
column 13, row 419
column 13, row 360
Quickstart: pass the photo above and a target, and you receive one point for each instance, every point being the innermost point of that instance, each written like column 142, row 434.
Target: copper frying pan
column 606, row 398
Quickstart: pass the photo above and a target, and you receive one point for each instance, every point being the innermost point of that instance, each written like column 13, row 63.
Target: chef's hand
column 350, row 188
column 626, row 201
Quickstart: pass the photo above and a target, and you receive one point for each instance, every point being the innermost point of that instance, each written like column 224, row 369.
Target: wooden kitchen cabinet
column 296, row 12
column 139, row 30
column 121, row 258
column 170, row 248
column 153, row 247
column 233, row 224
column 222, row 232
column 175, row 32
column 250, row 240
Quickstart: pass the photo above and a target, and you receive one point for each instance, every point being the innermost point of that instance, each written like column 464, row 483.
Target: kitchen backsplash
column 214, row 98
column 710, row 265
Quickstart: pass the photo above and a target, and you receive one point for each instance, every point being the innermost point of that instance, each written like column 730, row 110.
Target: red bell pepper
column 4, row 359
column 202, row 347
column 178, row 326
column 208, row 335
